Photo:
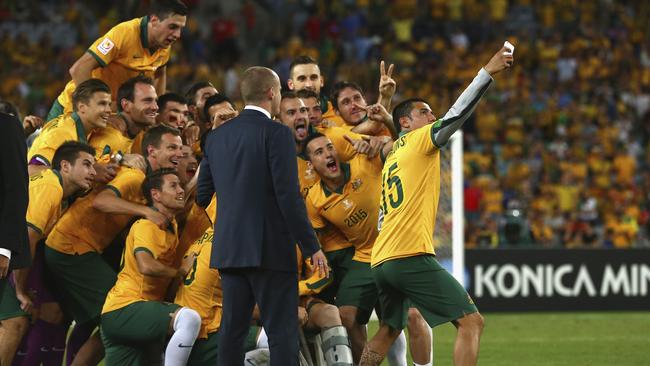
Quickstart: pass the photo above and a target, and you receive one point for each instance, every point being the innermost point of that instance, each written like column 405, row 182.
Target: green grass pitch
column 550, row 339
column 607, row 338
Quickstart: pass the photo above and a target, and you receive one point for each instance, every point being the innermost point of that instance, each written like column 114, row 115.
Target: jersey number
column 190, row 276
column 391, row 182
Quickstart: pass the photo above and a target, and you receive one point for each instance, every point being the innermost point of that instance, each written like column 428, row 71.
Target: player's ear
column 65, row 166
column 290, row 84
column 405, row 122
column 155, row 195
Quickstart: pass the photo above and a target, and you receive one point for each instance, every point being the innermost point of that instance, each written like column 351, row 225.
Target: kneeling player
column 134, row 318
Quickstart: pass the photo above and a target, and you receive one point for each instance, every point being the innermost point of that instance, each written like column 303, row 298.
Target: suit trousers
column 276, row 294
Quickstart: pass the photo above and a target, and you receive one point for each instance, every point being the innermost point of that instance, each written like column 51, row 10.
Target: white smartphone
column 510, row 47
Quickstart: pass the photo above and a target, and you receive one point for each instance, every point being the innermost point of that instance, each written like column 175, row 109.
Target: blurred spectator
column 570, row 121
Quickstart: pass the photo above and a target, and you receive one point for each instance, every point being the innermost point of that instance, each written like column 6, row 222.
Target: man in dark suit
column 249, row 162
column 14, row 246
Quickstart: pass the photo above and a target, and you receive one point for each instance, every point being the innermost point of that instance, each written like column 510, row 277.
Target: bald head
column 256, row 82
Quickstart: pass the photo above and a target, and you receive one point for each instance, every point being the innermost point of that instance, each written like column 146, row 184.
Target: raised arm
column 467, row 101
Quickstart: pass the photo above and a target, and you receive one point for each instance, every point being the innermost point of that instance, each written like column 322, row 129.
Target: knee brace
column 336, row 346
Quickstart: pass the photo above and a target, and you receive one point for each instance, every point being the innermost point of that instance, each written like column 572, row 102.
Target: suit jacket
column 250, row 162
column 14, row 195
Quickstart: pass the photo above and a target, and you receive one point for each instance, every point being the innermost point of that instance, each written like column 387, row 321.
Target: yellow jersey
column 410, row 190
column 46, row 201
column 136, row 144
column 201, row 289
column 109, row 140
column 329, row 113
column 352, row 209
column 99, row 228
column 131, row 285
column 196, row 223
column 122, row 53
column 59, row 130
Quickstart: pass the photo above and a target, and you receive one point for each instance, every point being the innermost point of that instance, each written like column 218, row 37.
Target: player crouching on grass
column 135, row 320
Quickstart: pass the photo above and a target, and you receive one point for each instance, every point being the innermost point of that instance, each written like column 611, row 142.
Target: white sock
column 397, row 353
column 186, row 328
column 262, row 340
column 426, row 364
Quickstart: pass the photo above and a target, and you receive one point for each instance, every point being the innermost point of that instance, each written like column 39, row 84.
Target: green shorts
column 339, row 261
column 420, row 282
column 9, row 304
column 83, row 282
column 55, row 111
column 136, row 333
column 358, row 289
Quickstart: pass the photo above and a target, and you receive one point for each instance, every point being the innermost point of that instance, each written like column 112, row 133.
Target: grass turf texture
column 576, row 339
column 608, row 338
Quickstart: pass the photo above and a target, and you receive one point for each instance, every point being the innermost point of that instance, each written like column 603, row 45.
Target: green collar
column 170, row 226
column 144, row 31
column 58, row 175
column 402, row 133
column 345, row 167
column 323, row 104
column 81, row 131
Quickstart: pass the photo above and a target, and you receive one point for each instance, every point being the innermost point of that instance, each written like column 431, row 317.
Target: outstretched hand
column 501, row 60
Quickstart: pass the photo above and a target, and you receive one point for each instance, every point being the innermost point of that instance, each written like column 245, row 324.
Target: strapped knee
column 336, row 346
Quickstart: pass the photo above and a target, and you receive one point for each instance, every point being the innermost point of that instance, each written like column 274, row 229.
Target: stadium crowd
column 558, row 158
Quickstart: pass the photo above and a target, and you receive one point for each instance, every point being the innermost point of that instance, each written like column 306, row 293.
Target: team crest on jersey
column 356, row 184
column 346, row 204
column 309, row 174
column 106, row 46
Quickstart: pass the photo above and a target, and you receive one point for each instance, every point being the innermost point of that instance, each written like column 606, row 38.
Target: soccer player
column 219, row 109
column 196, row 97
column 315, row 315
column 403, row 263
column 349, row 103
column 140, row 46
column 304, row 73
column 173, row 111
column 346, row 199
column 135, row 320
column 50, row 193
column 137, row 109
column 73, row 251
column 92, row 107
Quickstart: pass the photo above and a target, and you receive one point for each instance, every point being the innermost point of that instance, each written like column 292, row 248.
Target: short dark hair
column 84, row 91
column 191, row 92
column 170, row 97
column 403, row 109
column 69, row 151
column 338, row 87
column 9, row 108
column 165, row 8
column 214, row 100
column 301, row 60
column 127, row 89
column 306, row 94
column 311, row 137
column 154, row 136
column 289, row 94
column 155, row 180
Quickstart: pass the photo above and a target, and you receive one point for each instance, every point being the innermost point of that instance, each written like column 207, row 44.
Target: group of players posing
column 104, row 183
